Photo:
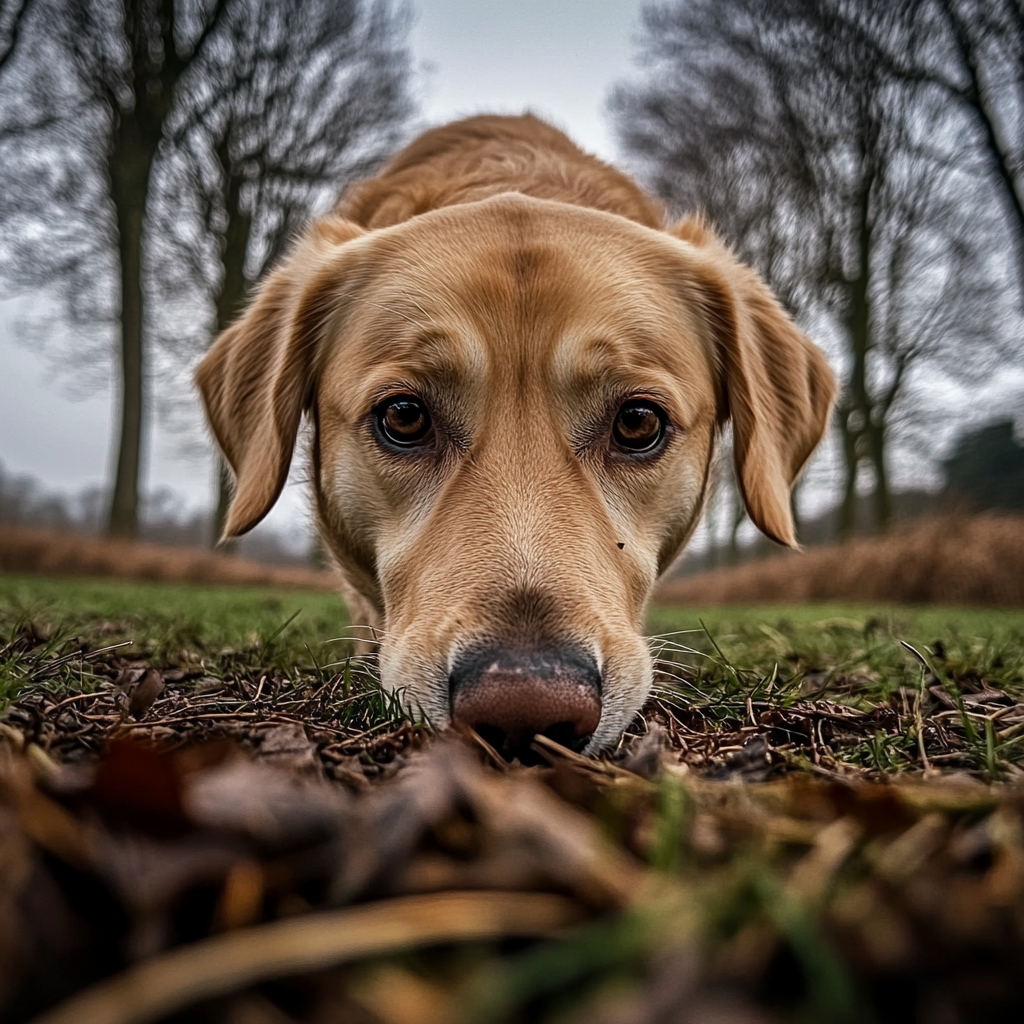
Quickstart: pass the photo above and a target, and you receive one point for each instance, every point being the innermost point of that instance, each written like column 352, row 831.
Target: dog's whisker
column 665, row 699
column 398, row 312
column 423, row 311
column 675, row 657
column 667, row 641
column 669, row 645
column 678, row 685
column 662, row 694
column 666, row 673
column 668, row 663
column 359, row 664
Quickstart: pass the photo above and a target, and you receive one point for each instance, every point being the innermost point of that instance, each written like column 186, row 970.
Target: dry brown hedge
column 954, row 560
column 76, row 554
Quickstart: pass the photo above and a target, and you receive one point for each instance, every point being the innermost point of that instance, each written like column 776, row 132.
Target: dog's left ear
column 777, row 388
column 258, row 377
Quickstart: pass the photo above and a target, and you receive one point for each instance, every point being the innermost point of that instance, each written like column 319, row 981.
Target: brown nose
column 510, row 696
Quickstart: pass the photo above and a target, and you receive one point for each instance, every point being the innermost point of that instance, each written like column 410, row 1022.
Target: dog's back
column 485, row 156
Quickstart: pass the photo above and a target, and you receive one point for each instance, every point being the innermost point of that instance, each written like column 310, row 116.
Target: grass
column 805, row 899
column 162, row 615
column 831, row 689
column 854, row 652
column 879, row 690
column 235, row 662
column 170, row 624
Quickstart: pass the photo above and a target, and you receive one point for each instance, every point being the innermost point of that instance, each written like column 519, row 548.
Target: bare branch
column 11, row 26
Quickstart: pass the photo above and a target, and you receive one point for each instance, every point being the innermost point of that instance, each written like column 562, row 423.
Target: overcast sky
column 558, row 58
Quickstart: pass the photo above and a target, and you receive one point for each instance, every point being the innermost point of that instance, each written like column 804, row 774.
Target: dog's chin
column 624, row 695
column 421, row 688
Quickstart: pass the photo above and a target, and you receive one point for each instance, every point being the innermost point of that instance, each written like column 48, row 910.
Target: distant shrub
column 53, row 553
column 952, row 560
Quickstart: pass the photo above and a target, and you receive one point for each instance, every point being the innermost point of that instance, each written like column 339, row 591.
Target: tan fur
column 524, row 291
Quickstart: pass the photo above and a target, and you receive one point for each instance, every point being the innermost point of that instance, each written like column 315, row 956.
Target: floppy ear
column 778, row 389
column 257, row 378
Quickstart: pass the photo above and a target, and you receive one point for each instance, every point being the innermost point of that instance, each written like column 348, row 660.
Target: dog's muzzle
column 509, row 696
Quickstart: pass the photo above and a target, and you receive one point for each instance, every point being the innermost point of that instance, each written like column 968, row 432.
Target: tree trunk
column 149, row 34
column 232, row 296
column 129, row 171
column 880, row 463
column 854, row 410
column 851, row 467
column 711, row 523
column 225, row 488
column 738, row 515
column 236, row 245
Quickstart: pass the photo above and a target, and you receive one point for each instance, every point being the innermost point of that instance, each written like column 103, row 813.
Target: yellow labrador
column 515, row 376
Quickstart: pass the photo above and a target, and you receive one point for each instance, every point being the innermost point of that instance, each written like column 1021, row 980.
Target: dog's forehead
column 516, row 286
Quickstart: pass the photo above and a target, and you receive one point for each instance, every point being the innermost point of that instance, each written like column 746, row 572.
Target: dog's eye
column 404, row 420
column 639, row 426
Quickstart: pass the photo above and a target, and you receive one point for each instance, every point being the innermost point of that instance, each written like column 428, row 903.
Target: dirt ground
column 216, row 842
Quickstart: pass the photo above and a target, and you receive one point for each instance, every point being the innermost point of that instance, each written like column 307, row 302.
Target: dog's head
column 515, row 404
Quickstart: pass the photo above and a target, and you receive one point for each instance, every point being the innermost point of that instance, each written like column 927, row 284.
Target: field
column 60, row 553
column 817, row 818
column 808, row 670
column 953, row 560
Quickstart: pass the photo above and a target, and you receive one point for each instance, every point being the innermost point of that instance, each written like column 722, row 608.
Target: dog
column 515, row 374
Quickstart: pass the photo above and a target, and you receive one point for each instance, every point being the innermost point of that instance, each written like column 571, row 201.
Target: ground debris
column 344, row 730
column 227, row 883
column 824, row 827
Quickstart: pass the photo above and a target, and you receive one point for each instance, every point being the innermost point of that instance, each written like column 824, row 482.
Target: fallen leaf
column 165, row 984
column 144, row 693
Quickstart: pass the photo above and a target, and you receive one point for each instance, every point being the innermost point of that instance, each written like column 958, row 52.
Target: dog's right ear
column 777, row 387
column 258, row 377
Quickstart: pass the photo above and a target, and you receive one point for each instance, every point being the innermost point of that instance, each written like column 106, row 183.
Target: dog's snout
column 508, row 697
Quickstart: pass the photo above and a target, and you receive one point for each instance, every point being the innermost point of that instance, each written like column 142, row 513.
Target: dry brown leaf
column 144, row 693
column 396, row 996
column 227, row 963
column 286, row 745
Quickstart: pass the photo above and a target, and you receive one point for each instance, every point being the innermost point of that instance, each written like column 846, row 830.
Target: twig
column 66, row 659
column 76, row 697
column 214, row 967
column 475, row 737
column 919, row 719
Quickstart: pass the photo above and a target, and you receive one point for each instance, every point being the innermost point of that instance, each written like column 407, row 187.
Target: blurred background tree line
column 866, row 156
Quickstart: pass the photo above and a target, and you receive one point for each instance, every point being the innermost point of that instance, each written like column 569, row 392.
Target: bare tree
column 145, row 143
column 116, row 68
column 970, row 54
column 849, row 186
column 303, row 100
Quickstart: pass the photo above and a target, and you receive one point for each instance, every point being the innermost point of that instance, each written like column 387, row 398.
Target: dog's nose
column 510, row 696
